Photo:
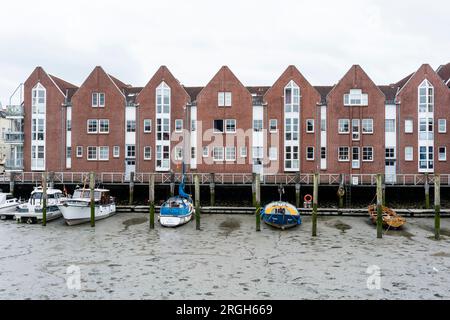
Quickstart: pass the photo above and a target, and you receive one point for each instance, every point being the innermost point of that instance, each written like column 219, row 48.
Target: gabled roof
column 66, row 87
column 390, row 91
column 258, row 90
column 193, row 92
column 119, row 83
column 444, row 72
column 402, row 82
column 323, row 91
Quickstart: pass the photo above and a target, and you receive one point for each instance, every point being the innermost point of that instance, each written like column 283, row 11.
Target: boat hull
column 174, row 221
column 77, row 214
column 8, row 211
column 280, row 221
column 34, row 214
column 281, row 215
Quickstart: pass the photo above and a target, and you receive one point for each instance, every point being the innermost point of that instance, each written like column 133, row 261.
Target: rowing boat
column 390, row 217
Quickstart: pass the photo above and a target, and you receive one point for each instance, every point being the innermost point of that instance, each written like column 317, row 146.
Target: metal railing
column 219, row 178
column 14, row 137
column 14, row 111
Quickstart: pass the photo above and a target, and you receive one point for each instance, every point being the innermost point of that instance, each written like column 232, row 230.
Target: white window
column 442, row 154
column 426, row 97
column 409, row 154
column 92, row 126
column 367, row 126
column 95, row 99
column 309, row 153
column 178, row 153
column 147, row 153
column 205, row 152
column 230, row 153
column 355, row 158
column 116, row 151
column 367, row 154
column 162, row 129
column 218, row 126
column 193, row 125
column 68, row 152
column 442, row 125
column 79, row 151
column 257, row 152
column 38, row 129
column 389, row 125
column 103, row 153
column 344, row 126
column 343, row 154
column 273, row 125
column 131, row 125
column 92, row 153
column 103, row 125
column 310, row 125
column 356, row 98
column 178, row 125
column 291, row 161
column 230, row 125
column 390, row 153
column 291, row 129
column 218, row 153
column 426, row 156
column 131, row 151
column 257, row 125
column 193, row 153
column 273, row 153
column 224, row 99
column 38, row 99
column 147, row 125
column 291, row 97
column 243, row 152
column 323, row 152
column 426, row 129
column 408, row 126
column 163, row 99
column 69, row 125
column 355, row 130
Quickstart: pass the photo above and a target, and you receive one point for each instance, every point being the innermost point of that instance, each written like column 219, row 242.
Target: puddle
column 399, row 233
column 229, row 225
column 133, row 222
column 441, row 254
column 338, row 224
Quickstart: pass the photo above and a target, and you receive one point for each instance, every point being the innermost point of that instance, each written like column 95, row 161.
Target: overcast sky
column 256, row 39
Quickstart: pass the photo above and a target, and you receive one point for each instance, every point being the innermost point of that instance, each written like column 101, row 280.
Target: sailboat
column 179, row 209
column 281, row 214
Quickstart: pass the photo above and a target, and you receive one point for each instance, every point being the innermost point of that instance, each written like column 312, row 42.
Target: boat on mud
column 8, row 204
column 31, row 212
column 177, row 210
column 390, row 218
column 281, row 214
column 77, row 210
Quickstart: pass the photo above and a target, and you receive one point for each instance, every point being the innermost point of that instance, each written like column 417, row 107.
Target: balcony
column 14, row 164
column 14, row 111
column 14, row 137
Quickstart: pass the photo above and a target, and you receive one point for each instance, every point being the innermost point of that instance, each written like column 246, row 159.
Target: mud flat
column 121, row 259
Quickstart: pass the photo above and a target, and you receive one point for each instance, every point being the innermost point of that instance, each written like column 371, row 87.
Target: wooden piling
column 427, row 192
column 253, row 190
column 315, row 203
column 437, row 206
column 258, row 201
column 197, row 201
column 92, row 194
column 379, row 207
column 12, row 182
column 297, row 195
column 131, row 189
column 52, row 180
column 172, row 184
column 383, row 189
column 151, row 200
column 212, row 190
column 44, row 198
column 341, row 190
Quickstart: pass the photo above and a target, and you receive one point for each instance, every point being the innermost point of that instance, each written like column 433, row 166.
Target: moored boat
column 8, row 204
column 77, row 209
column 32, row 212
column 177, row 210
column 390, row 218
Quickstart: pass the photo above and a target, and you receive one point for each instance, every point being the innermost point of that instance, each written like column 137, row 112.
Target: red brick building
column 354, row 127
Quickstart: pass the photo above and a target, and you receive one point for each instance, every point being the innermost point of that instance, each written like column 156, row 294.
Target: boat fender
column 307, row 198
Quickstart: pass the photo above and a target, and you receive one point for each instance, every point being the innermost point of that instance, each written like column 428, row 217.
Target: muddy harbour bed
column 122, row 259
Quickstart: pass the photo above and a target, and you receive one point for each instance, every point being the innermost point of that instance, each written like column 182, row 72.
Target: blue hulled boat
column 177, row 210
column 281, row 214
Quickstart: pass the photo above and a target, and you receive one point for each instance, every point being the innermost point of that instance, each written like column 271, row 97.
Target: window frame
column 308, row 151
column 348, row 154
column 176, row 125
column 88, row 126
column 445, row 153
column 369, row 120
column 308, row 122
column 145, row 153
column 339, row 126
column 99, row 153
column 78, row 153
column 363, row 153
column 412, row 153
column 150, row 125
column 88, row 149
column 444, row 121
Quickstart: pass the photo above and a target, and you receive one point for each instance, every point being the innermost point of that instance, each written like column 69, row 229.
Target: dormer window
column 356, row 98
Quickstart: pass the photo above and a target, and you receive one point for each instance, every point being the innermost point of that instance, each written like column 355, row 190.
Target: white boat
column 8, row 205
column 78, row 210
column 31, row 211
column 176, row 211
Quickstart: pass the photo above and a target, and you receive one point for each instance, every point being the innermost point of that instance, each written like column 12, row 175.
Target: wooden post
column 52, row 179
column 258, row 201
column 197, row 201
column 379, row 207
column 44, row 199
column 341, row 190
column 427, row 192
column 172, row 184
column 12, row 182
column 253, row 190
column 315, row 203
column 92, row 193
column 383, row 189
column 151, row 200
column 212, row 190
column 437, row 206
column 131, row 188
column 297, row 195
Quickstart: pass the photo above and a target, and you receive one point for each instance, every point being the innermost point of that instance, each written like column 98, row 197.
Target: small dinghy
column 390, row 218
column 177, row 210
column 281, row 214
